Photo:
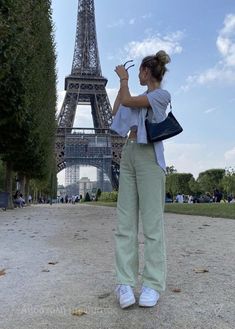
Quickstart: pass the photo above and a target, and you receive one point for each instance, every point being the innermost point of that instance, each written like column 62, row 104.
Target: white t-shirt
column 126, row 118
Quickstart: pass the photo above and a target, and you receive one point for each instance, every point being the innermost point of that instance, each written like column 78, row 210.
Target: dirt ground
column 60, row 258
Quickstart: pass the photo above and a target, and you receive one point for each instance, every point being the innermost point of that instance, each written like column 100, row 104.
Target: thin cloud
column 216, row 74
column 213, row 109
column 146, row 16
column 192, row 157
column 224, row 70
column 226, row 40
column 121, row 22
column 110, row 57
column 118, row 23
column 230, row 156
column 170, row 43
column 132, row 21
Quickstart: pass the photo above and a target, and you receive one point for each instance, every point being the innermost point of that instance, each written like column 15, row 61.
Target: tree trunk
column 8, row 183
column 26, row 190
column 35, row 197
column 22, row 184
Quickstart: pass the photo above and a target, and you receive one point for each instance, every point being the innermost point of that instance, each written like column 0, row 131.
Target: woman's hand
column 122, row 72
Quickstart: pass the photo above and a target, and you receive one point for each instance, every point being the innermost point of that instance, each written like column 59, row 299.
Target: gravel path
column 78, row 241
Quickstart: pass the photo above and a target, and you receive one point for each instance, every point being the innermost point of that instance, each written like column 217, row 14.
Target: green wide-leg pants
column 141, row 189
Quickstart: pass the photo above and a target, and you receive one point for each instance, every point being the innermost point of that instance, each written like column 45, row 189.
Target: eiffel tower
column 77, row 146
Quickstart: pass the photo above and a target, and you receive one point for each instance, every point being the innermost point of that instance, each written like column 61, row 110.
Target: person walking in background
column 30, row 198
column 217, row 196
column 190, row 199
column 141, row 184
column 179, row 198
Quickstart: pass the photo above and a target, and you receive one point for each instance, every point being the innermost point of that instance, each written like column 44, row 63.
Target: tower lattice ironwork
column 97, row 146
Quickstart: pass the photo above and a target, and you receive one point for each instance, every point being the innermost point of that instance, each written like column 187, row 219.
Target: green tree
column 178, row 183
column 228, row 182
column 211, row 179
column 2, row 174
column 27, row 89
column 98, row 194
column 194, row 186
column 39, row 126
column 87, row 197
column 12, row 90
column 170, row 170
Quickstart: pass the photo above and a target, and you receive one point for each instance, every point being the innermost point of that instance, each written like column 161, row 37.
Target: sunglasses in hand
column 130, row 61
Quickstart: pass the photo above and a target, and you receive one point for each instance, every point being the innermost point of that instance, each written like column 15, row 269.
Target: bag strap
column 147, row 112
column 151, row 107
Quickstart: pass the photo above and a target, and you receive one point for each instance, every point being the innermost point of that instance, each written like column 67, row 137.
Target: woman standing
column 141, row 184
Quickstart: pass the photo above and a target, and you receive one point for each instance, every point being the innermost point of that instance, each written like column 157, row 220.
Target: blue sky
column 200, row 38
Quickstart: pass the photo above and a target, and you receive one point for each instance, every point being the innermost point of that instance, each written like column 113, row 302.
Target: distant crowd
column 217, row 197
column 19, row 200
column 67, row 199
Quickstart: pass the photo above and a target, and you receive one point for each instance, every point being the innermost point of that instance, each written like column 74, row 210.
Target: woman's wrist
column 123, row 79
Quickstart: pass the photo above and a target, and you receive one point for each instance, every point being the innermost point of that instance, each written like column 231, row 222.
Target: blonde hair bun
column 162, row 57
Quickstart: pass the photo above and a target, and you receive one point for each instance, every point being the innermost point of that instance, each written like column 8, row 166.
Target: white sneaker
column 125, row 295
column 148, row 297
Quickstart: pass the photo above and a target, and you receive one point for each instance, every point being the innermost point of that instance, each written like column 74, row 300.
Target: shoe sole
column 147, row 304
column 128, row 303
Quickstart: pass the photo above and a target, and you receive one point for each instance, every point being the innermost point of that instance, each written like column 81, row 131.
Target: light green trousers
column 141, row 188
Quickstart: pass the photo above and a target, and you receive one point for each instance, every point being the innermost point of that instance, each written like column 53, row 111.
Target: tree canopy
column 211, row 179
column 178, row 183
column 27, row 87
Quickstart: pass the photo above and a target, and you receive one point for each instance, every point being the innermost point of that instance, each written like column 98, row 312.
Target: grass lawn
column 223, row 210
column 100, row 203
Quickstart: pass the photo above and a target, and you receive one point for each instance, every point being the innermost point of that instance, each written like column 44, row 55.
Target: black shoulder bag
column 163, row 130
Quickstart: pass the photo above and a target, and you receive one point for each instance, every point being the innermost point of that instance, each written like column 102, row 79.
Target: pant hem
column 155, row 287
column 127, row 283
